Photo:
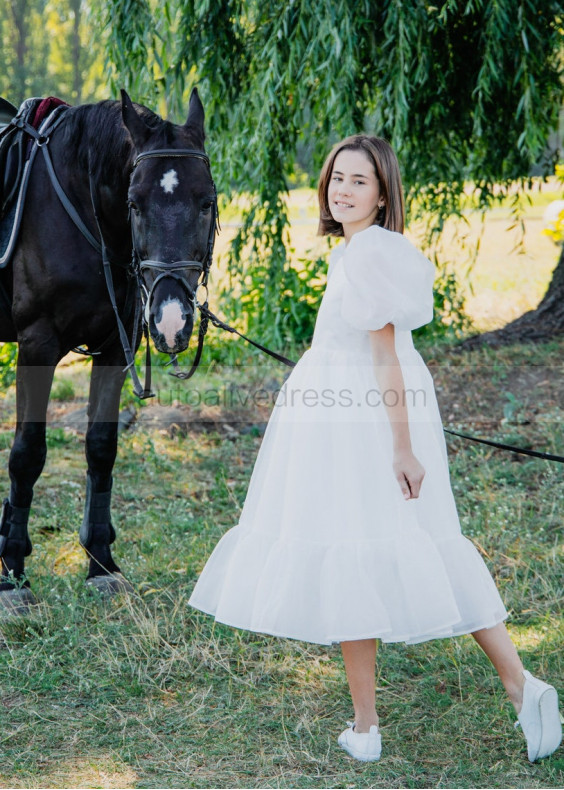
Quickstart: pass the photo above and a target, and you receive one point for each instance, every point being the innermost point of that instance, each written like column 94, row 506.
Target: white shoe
column 539, row 718
column 364, row 746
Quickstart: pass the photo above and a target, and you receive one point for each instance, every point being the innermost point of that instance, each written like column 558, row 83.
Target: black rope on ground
column 501, row 446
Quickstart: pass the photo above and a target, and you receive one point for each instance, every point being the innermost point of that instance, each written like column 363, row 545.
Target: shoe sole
column 551, row 728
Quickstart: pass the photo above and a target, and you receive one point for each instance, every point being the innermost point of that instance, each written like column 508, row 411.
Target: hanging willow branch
column 467, row 91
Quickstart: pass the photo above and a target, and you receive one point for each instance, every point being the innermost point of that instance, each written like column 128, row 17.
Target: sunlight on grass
column 102, row 769
column 532, row 637
column 69, row 558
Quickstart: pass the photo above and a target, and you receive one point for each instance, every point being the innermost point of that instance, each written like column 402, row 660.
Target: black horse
column 143, row 191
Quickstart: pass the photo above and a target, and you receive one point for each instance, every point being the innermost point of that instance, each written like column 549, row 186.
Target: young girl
column 349, row 532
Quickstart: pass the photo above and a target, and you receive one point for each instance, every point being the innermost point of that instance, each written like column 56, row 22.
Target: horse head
column 173, row 207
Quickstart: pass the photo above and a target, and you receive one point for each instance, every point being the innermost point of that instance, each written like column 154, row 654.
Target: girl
column 349, row 531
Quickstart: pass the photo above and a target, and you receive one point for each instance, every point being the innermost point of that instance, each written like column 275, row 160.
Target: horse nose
column 170, row 324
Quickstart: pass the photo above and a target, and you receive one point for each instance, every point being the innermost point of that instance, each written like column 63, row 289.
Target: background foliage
column 8, row 354
column 466, row 91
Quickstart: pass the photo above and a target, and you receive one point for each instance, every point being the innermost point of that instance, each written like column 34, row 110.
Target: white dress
column 327, row 549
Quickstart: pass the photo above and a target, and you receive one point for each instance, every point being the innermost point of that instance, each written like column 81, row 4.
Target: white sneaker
column 539, row 718
column 364, row 746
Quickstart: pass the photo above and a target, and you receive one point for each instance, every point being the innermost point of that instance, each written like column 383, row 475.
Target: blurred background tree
column 51, row 47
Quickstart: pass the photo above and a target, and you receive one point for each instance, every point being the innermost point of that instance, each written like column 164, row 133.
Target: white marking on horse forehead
column 172, row 321
column 169, row 181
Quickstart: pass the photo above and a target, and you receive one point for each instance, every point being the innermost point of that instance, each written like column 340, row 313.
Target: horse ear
column 195, row 120
column 135, row 125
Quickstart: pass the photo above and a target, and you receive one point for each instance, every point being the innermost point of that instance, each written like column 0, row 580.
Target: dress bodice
column 378, row 278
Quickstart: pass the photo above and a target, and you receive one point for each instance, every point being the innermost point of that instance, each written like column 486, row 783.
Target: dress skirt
column 326, row 549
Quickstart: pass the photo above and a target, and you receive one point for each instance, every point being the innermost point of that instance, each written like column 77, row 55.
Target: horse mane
column 95, row 138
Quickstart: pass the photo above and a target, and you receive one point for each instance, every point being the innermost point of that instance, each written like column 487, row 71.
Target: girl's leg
column 497, row 645
column 360, row 664
column 535, row 701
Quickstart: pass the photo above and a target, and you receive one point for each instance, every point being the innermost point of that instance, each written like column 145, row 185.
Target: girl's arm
column 407, row 469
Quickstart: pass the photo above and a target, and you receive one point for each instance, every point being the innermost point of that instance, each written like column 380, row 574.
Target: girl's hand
column 409, row 473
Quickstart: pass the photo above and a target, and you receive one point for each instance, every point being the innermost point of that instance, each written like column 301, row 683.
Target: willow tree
column 467, row 92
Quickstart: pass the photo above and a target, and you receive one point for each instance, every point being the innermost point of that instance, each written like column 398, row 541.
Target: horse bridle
column 172, row 269
column 175, row 269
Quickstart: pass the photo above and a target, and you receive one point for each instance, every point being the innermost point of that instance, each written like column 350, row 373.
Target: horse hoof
column 110, row 584
column 16, row 602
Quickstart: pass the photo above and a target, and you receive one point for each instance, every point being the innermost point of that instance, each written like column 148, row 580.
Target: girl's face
column 353, row 192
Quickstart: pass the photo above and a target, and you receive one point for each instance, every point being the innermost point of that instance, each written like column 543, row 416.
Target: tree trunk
column 544, row 323
column 77, row 79
column 19, row 9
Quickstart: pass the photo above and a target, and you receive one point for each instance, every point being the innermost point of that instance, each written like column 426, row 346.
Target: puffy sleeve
column 387, row 281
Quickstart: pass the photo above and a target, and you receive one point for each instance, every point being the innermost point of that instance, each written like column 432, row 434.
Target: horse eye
column 206, row 206
column 133, row 206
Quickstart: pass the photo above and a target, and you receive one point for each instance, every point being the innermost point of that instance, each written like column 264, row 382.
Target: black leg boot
column 15, row 546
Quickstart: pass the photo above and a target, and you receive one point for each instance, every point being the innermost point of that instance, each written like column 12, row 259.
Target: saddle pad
column 46, row 115
column 16, row 144
column 45, row 108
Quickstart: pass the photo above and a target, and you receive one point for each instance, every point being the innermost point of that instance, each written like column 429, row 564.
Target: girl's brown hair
column 381, row 154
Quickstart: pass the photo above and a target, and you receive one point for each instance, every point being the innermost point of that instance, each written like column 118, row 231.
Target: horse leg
column 34, row 377
column 97, row 532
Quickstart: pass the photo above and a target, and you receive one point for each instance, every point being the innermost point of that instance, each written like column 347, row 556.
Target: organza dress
column 326, row 549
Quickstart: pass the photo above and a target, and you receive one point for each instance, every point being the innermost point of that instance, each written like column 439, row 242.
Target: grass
column 145, row 692
column 142, row 691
